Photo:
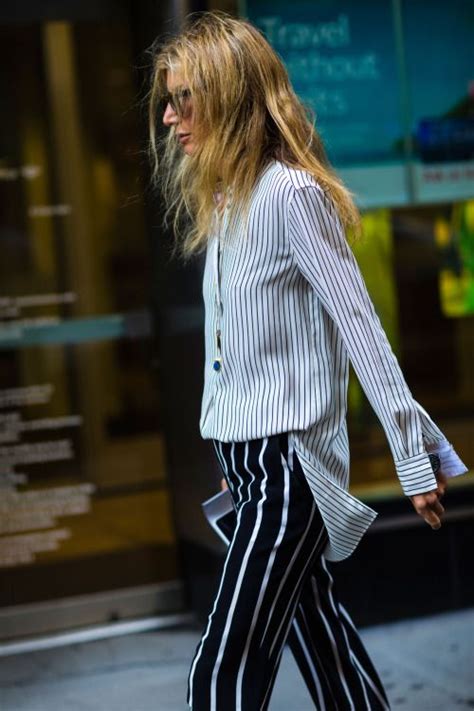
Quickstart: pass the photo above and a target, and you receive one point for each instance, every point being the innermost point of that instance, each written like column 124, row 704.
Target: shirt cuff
column 416, row 474
column 449, row 463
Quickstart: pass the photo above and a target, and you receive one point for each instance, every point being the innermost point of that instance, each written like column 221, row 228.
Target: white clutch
column 216, row 508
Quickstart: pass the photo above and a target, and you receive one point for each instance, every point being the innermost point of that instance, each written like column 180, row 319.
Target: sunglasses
column 176, row 99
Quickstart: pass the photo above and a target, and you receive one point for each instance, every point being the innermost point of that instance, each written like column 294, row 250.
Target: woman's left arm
column 324, row 257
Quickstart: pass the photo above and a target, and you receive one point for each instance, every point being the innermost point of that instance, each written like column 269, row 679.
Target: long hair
column 245, row 113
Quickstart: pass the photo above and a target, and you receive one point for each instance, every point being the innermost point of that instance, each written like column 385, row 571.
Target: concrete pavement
column 426, row 665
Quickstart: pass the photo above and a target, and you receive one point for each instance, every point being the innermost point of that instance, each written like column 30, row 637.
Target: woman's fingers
column 438, row 507
column 442, row 483
column 429, row 507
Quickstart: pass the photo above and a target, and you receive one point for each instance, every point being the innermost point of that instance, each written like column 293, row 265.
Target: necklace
column 217, row 363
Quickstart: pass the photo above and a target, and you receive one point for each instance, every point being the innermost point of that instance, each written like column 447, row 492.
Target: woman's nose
column 170, row 116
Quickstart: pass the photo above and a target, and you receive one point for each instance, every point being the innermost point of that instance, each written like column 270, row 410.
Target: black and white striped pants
column 275, row 587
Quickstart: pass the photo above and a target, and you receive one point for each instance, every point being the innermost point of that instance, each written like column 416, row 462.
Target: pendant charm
column 217, row 364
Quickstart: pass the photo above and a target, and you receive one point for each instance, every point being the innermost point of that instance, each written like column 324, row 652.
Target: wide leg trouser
column 275, row 587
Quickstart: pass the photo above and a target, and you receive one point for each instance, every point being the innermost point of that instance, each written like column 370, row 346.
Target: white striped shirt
column 295, row 309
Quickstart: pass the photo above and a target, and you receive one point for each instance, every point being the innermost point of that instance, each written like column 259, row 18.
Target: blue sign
column 392, row 88
column 440, row 70
column 342, row 62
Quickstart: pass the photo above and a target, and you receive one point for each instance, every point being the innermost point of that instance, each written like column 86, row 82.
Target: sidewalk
column 426, row 665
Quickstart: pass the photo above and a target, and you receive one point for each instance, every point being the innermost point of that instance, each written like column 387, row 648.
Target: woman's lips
column 184, row 137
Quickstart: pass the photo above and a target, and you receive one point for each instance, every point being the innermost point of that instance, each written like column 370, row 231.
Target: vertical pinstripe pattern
column 233, row 667
column 295, row 309
column 320, row 703
column 329, row 651
column 301, row 604
column 238, row 585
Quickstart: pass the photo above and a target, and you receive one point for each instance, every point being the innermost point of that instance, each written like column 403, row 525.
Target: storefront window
column 84, row 502
column 417, row 263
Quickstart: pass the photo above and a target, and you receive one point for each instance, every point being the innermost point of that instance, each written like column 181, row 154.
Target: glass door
column 84, row 504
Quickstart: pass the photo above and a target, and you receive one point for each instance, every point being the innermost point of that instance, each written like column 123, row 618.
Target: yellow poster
column 455, row 240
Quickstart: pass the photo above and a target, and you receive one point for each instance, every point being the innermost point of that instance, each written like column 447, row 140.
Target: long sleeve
column 325, row 259
column 447, row 461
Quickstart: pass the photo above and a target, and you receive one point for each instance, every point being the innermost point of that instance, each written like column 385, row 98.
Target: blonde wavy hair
column 245, row 113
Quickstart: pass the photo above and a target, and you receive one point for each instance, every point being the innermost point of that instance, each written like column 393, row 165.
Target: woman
column 245, row 175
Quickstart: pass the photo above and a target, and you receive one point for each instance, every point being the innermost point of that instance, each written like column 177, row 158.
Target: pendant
column 218, row 361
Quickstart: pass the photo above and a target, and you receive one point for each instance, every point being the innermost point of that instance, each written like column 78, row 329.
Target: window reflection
column 82, row 455
column 405, row 258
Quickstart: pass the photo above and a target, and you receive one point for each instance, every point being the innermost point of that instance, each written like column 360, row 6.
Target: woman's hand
column 224, row 484
column 428, row 505
column 442, row 484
